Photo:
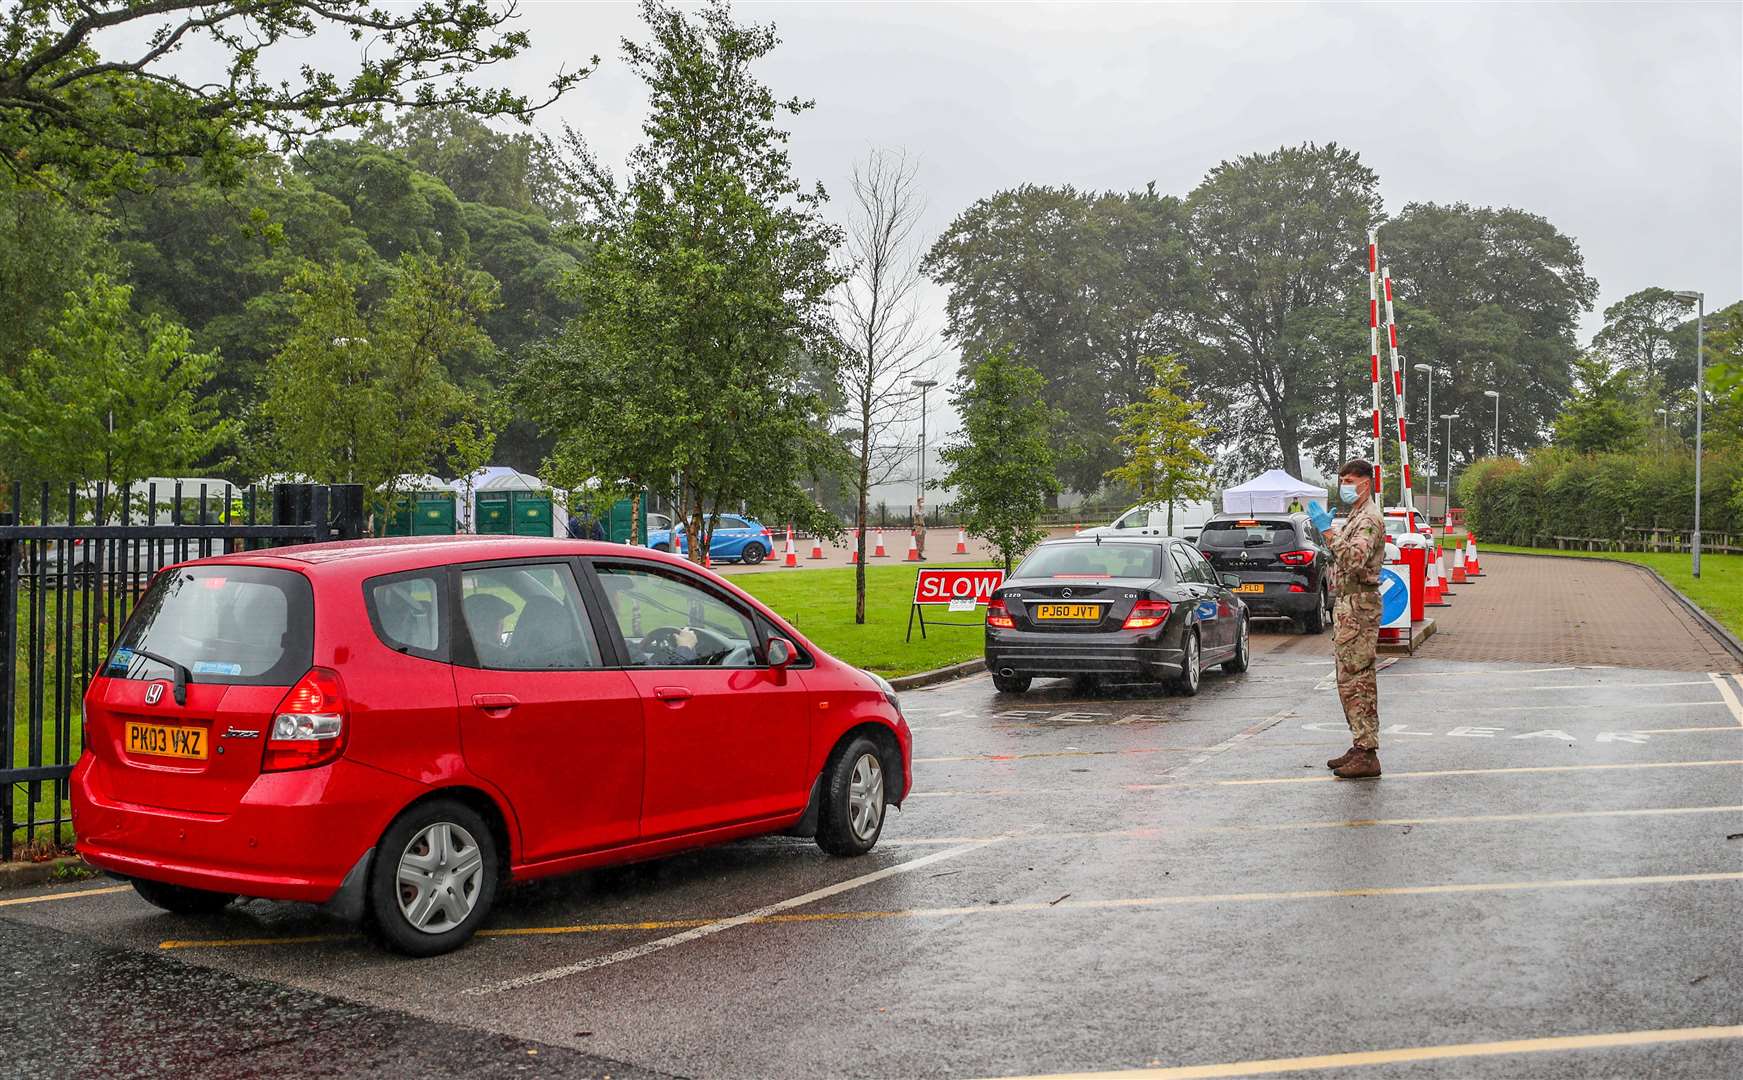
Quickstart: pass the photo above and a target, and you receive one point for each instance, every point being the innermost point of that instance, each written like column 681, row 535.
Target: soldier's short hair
column 1357, row 467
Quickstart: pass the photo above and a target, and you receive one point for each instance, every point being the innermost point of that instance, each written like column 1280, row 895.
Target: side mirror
column 1231, row 580
column 780, row 652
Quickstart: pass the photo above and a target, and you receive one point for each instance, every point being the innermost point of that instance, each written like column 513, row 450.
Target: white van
column 1152, row 520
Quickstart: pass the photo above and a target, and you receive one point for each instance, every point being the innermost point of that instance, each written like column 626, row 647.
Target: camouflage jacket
column 1358, row 549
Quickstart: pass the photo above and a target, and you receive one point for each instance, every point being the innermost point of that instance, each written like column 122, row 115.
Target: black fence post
column 9, row 551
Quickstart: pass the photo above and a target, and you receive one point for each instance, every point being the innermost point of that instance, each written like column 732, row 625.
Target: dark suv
column 1283, row 563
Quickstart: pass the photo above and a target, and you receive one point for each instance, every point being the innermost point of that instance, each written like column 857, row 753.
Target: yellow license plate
column 1249, row 588
column 163, row 740
column 1090, row 612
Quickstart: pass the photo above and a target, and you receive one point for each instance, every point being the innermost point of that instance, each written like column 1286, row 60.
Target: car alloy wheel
column 1189, row 656
column 753, row 554
column 441, row 873
column 865, row 799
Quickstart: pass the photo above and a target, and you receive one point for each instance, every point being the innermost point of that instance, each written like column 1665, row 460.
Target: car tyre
column 753, row 554
column 1011, row 684
column 854, row 806
column 1243, row 652
column 433, row 879
column 1191, row 671
column 180, row 899
column 1316, row 619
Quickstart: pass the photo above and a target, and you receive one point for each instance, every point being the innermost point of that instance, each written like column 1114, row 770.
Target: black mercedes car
column 1146, row 609
column 1282, row 561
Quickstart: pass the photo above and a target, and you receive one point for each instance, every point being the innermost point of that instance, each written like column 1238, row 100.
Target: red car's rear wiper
column 183, row 675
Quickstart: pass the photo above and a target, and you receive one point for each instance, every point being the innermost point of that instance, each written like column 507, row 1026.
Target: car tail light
column 1295, row 558
column 998, row 617
column 1148, row 613
column 308, row 727
column 1297, row 588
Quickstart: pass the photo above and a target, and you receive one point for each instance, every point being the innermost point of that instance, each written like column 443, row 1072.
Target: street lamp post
column 1497, row 396
column 1429, row 371
column 1700, row 302
column 1446, row 451
column 922, row 385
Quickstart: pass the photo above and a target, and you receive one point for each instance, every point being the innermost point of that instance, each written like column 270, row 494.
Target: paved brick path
column 1573, row 611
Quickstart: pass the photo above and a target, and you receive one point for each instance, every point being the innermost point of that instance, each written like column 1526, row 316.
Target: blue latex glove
column 1320, row 517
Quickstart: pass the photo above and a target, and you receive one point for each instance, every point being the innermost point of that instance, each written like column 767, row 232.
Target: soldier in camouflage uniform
column 1359, row 549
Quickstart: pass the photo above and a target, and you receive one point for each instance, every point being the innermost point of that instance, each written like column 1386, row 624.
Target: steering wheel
column 666, row 645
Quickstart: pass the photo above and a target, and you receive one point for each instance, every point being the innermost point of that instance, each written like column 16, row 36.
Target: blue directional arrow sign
column 1394, row 596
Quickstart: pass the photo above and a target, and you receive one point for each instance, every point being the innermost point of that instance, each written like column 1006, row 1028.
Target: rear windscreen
column 248, row 625
column 1093, row 561
column 1246, row 534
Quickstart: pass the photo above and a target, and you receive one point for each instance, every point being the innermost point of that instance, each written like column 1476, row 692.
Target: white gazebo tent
column 1269, row 493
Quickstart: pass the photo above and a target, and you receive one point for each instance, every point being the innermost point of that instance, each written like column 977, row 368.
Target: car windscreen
column 1246, row 533
column 246, row 625
column 1093, row 561
column 1397, row 526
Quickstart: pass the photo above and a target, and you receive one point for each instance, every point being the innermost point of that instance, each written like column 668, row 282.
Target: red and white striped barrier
column 879, row 552
column 792, row 559
column 961, row 542
column 1376, row 276
column 913, row 547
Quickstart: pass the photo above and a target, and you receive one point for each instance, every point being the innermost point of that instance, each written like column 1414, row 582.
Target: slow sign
column 940, row 585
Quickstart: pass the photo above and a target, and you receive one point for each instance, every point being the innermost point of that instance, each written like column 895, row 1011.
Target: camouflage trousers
column 1355, row 638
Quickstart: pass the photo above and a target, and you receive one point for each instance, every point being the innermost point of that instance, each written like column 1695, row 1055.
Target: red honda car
column 395, row 727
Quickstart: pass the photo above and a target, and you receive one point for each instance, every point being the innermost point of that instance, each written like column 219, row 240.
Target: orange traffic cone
column 1473, row 565
column 792, row 556
column 913, row 549
column 1431, row 584
column 879, row 552
column 961, row 542
column 816, row 547
column 1459, row 574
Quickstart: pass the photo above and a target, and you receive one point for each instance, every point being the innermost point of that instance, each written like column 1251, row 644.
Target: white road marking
column 1724, row 684
column 596, row 962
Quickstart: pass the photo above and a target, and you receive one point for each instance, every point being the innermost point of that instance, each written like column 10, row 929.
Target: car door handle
column 495, row 704
column 672, row 695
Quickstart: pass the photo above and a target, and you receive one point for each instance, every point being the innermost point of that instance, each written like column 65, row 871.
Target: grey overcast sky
column 1620, row 123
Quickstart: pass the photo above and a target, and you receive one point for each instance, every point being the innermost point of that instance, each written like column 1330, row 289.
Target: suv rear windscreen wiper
column 183, row 675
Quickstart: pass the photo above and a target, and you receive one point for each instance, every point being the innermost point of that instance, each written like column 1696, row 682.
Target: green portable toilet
column 532, row 513
column 418, row 513
column 617, row 527
column 495, row 515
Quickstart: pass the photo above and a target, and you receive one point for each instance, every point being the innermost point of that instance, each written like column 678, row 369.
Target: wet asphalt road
column 1112, row 880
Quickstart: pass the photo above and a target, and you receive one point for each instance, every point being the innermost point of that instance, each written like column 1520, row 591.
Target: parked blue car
column 736, row 539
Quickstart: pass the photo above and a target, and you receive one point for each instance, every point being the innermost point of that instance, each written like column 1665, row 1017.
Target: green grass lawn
column 820, row 604
column 1718, row 591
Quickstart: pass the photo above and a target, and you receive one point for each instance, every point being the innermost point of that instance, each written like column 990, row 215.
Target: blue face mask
column 1347, row 492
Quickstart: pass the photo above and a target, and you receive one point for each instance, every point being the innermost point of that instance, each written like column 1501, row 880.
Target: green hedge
column 1560, row 493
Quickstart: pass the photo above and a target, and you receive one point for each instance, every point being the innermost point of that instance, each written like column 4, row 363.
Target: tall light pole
column 1446, row 451
column 922, row 385
column 1427, row 488
column 1700, row 302
column 1497, row 396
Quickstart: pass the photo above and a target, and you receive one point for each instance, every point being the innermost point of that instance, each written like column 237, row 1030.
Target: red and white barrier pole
column 1407, row 499
column 1374, row 345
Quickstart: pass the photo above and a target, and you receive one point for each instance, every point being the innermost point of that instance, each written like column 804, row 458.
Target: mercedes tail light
column 308, row 727
column 999, row 618
column 1147, row 614
column 1296, row 558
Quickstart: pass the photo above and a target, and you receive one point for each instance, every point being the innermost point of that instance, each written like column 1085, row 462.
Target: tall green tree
column 1083, row 285
column 704, row 319
column 1278, row 238
column 1163, row 441
column 1001, row 461
column 1506, row 289
column 108, row 397
column 47, row 249
column 93, row 97
column 520, row 171
column 1650, row 332
column 1609, row 410
column 361, row 395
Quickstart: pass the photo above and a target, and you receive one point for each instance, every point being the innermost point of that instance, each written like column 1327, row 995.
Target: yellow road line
column 1724, row 684
column 1119, row 903
column 1481, row 772
column 233, row 943
column 74, row 895
column 1554, row 1044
